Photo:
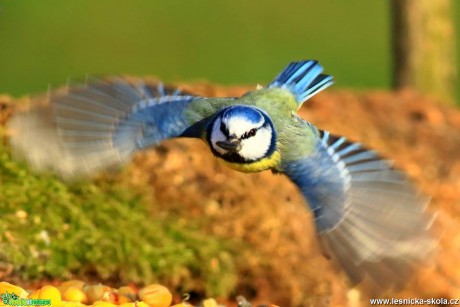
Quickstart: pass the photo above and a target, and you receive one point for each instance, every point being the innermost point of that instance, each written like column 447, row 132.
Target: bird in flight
column 367, row 214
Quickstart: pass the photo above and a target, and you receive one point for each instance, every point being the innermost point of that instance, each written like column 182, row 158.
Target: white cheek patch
column 240, row 125
column 216, row 136
column 256, row 147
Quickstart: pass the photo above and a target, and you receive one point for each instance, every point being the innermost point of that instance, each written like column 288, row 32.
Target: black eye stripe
column 249, row 134
column 224, row 129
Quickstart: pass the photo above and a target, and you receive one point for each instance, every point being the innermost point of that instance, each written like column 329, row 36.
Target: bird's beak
column 231, row 146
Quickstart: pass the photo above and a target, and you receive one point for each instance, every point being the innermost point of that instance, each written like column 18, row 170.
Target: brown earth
column 283, row 263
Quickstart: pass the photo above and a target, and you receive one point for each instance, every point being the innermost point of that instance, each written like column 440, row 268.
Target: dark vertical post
column 423, row 36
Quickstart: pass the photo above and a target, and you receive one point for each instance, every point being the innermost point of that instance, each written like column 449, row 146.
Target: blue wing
column 368, row 216
column 99, row 124
column 303, row 79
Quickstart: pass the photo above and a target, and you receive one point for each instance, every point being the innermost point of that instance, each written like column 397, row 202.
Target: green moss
column 52, row 229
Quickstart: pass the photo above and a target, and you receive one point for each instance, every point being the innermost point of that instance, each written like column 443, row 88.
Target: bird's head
column 242, row 134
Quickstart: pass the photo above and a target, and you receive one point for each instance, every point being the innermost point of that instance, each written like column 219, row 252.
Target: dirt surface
column 283, row 262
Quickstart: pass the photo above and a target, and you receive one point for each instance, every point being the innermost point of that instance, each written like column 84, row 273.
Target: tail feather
column 304, row 79
column 318, row 84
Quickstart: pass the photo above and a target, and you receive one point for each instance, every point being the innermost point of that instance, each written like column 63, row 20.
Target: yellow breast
column 270, row 162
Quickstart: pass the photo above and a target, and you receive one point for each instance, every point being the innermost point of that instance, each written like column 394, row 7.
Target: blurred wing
column 368, row 216
column 303, row 79
column 97, row 125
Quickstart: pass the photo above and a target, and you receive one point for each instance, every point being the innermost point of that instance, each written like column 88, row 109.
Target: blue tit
column 368, row 216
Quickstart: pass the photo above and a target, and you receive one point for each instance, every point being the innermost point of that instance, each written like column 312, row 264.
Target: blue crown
column 251, row 114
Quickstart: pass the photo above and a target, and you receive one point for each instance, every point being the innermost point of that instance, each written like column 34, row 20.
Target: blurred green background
column 230, row 42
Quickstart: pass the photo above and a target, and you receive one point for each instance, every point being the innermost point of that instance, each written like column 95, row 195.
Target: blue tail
column 304, row 79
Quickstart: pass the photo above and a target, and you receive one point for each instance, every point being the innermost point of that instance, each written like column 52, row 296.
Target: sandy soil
column 283, row 262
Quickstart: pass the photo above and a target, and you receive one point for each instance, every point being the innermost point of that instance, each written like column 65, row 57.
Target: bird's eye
column 250, row 133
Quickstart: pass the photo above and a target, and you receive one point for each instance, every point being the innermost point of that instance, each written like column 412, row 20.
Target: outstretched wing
column 303, row 79
column 368, row 216
column 97, row 125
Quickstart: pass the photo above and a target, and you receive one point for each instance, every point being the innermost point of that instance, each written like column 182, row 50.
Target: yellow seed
column 210, row 302
column 70, row 283
column 103, row 304
column 140, row 304
column 35, row 294
column 127, row 305
column 7, row 287
column 122, row 299
column 71, row 304
column 74, row 294
column 51, row 293
column 21, row 214
column 128, row 292
column 156, row 296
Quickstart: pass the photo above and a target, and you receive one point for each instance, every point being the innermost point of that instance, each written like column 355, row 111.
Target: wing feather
column 97, row 125
column 368, row 215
